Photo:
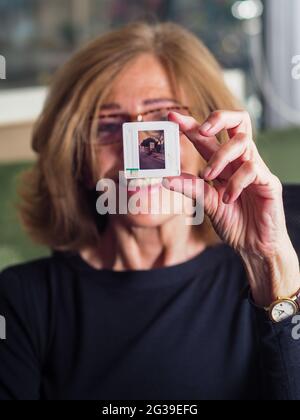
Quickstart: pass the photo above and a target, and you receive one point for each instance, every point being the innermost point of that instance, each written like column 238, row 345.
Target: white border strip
column 19, row 106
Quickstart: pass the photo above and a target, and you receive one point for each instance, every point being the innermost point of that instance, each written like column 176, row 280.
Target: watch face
column 283, row 310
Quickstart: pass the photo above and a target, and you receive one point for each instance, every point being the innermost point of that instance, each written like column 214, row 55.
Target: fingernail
column 207, row 171
column 226, row 198
column 206, row 126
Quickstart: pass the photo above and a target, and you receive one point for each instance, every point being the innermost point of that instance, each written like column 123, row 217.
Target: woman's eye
column 160, row 117
column 109, row 128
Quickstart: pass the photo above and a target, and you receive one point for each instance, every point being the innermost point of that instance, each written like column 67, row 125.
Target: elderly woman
column 147, row 306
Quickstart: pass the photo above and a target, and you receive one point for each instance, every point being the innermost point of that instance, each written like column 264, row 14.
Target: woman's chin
column 145, row 220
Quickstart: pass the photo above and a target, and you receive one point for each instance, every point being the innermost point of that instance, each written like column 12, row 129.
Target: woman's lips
column 143, row 186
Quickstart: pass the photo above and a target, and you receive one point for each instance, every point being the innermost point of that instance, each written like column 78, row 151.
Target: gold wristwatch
column 284, row 308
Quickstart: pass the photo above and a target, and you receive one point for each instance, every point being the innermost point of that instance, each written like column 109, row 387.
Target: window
column 36, row 36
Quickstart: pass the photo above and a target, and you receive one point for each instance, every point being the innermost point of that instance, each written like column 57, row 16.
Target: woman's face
column 141, row 87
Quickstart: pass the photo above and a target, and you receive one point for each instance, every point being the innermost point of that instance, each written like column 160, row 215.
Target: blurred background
column 257, row 43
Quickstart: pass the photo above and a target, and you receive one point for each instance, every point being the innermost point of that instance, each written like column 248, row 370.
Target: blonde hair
column 57, row 208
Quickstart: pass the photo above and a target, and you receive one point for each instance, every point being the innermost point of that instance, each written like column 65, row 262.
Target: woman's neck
column 127, row 247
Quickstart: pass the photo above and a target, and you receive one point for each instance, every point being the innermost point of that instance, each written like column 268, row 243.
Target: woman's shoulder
column 40, row 278
column 34, row 279
column 25, row 282
column 34, row 270
column 37, row 269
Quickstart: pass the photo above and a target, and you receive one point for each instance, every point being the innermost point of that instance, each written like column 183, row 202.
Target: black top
column 183, row 332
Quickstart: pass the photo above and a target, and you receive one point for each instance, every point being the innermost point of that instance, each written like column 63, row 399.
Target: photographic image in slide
column 152, row 149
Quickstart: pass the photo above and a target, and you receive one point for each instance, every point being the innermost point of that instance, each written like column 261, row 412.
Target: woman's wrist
column 272, row 275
